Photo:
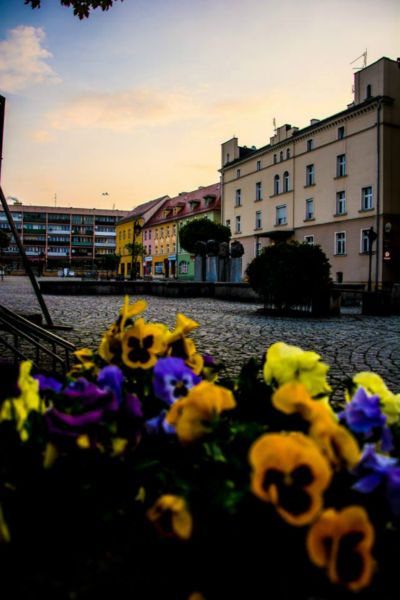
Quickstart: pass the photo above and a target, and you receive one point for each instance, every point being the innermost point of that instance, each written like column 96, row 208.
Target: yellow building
column 130, row 239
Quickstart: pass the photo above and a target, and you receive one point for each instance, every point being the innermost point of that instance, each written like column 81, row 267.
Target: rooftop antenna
column 55, row 199
column 274, row 124
column 364, row 57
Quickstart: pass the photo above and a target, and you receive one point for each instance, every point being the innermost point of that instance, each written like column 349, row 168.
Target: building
column 327, row 184
column 164, row 256
column 56, row 237
column 130, row 237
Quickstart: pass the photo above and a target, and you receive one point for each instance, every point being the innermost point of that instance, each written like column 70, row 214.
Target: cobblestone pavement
column 233, row 331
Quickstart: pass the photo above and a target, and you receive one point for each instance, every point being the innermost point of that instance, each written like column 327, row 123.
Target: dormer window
column 369, row 91
column 193, row 204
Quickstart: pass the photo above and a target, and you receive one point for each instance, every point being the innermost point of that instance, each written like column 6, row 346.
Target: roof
column 145, row 210
column 190, row 203
column 245, row 153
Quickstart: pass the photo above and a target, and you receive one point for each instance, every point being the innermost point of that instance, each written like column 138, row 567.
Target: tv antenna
column 364, row 57
column 274, row 124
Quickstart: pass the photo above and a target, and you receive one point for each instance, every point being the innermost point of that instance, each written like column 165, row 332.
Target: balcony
column 86, row 244
column 105, row 233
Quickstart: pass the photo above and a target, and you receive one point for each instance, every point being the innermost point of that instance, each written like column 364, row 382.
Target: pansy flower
column 172, row 379
column 374, row 385
column 110, row 348
column 286, row 363
column 377, row 469
column 171, row 517
column 294, row 398
column 183, row 347
column 141, row 343
column 85, row 363
column 128, row 311
column 289, row 471
column 191, row 416
column 18, row 409
column 335, row 442
column 341, row 542
column 363, row 415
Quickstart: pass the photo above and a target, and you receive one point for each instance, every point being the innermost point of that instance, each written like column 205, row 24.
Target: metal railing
column 25, row 340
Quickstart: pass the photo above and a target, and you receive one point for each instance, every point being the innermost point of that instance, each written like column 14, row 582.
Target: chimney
column 314, row 121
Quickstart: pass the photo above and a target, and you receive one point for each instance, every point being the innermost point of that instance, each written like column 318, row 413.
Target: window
column 275, row 161
column 238, row 198
column 150, row 234
column 286, row 181
column 281, row 156
column 310, row 145
column 258, row 220
column 340, row 133
column 309, row 239
column 228, row 157
column 257, row 249
column 341, row 203
column 167, row 249
column 366, row 198
column 145, row 235
column 149, row 249
column 161, row 232
column 309, row 208
column 237, row 172
column 258, row 165
column 258, row 190
column 341, row 165
column 288, row 153
column 368, row 91
column 276, row 184
column 340, row 243
column 228, row 222
column 167, row 231
column 237, row 223
column 310, row 175
column 281, row 215
column 364, row 249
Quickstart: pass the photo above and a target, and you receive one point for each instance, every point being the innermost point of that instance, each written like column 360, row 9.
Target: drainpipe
column 378, row 193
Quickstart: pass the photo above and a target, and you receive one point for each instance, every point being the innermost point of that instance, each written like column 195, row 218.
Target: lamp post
column 372, row 235
column 137, row 228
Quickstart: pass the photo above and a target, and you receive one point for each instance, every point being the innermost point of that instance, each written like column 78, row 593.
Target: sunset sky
column 136, row 101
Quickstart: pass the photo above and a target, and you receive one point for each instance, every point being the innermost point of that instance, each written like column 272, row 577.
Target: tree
column 135, row 250
column 109, row 262
column 202, row 230
column 4, row 240
column 81, row 8
column 291, row 274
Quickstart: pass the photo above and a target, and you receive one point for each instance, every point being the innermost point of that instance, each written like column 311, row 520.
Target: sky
column 134, row 103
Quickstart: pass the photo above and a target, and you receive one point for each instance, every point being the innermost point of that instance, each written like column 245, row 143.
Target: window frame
column 341, row 200
column 364, row 196
column 310, row 175
column 309, row 214
column 281, row 220
column 342, row 242
column 341, row 165
column 258, row 219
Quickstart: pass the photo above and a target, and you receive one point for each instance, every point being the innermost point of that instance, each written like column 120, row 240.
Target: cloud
column 41, row 135
column 23, row 60
column 148, row 107
column 124, row 111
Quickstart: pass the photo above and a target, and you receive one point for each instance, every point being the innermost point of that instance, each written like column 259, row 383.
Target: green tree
column 81, row 8
column 290, row 274
column 202, row 230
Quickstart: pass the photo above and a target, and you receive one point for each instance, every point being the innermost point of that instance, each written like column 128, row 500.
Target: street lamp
column 137, row 228
column 372, row 235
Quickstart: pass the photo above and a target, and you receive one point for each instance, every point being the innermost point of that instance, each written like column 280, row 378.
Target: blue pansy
column 375, row 470
column 364, row 415
column 112, row 378
column 173, row 379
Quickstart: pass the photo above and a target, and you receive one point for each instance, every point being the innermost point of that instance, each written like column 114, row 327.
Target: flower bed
column 144, row 475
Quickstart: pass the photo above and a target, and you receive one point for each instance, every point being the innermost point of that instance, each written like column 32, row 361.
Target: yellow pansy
column 289, row 471
column 341, row 543
column 171, row 517
column 336, row 442
column 130, row 310
column 182, row 347
column 141, row 343
column 192, row 414
column 286, row 363
column 110, row 347
column 293, row 397
column 18, row 409
column 375, row 386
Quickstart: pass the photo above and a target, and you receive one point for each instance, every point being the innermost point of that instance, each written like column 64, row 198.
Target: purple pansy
column 48, row 383
column 112, row 378
column 377, row 469
column 158, row 425
column 364, row 415
column 173, row 379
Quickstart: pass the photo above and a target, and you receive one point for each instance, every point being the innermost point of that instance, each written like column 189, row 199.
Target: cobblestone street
column 233, row 331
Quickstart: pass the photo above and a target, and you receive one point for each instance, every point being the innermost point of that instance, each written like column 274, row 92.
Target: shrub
column 290, row 274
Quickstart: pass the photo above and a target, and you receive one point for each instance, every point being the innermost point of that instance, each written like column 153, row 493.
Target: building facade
column 56, row 237
column 327, row 184
column 130, row 238
column 164, row 255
